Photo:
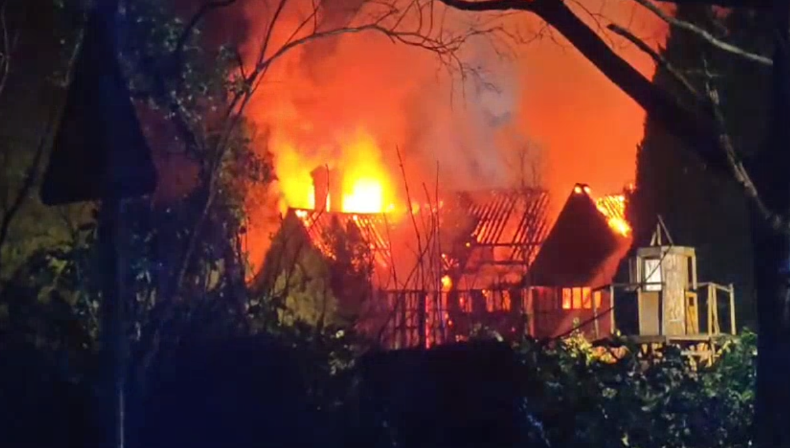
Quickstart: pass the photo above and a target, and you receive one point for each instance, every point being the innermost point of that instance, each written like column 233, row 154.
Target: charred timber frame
column 492, row 217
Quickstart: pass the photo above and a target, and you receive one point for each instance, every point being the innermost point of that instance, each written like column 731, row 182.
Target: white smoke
column 477, row 145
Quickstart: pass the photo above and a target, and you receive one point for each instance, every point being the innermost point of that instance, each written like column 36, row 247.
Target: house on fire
column 576, row 263
column 483, row 259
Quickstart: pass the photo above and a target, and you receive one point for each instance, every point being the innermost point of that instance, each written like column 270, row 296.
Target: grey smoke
column 476, row 146
column 333, row 14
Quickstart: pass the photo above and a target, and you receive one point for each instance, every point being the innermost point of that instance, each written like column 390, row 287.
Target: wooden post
column 595, row 313
column 422, row 320
column 711, row 324
column 715, row 308
column 694, row 272
column 112, row 324
column 611, row 310
column 733, row 329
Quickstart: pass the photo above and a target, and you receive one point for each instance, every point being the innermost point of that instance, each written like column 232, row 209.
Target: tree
column 700, row 207
column 765, row 183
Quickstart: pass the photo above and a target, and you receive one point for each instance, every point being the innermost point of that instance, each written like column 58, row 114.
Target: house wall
column 552, row 314
column 675, row 270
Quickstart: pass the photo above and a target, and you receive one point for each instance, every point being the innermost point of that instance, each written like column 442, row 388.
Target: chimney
column 327, row 189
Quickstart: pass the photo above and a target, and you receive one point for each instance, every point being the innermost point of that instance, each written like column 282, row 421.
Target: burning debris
column 613, row 207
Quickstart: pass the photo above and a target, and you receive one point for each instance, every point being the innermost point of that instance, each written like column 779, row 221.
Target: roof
column 506, row 226
column 582, row 246
column 509, row 221
column 371, row 227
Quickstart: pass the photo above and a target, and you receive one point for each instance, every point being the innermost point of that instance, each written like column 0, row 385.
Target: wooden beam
column 595, row 313
column 611, row 311
column 710, row 311
column 694, row 271
column 733, row 329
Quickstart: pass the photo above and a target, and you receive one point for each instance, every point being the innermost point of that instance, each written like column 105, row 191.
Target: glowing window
column 652, row 274
column 506, row 300
column 566, row 298
column 577, row 298
column 597, row 299
column 586, row 298
column 489, row 300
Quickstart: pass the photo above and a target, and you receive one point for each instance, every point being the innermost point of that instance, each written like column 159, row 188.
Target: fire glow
column 613, row 207
column 365, row 184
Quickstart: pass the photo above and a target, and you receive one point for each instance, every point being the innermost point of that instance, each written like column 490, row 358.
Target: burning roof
column 509, row 223
column 478, row 229
column 371, row 227
column 613, row 207
column 586, row 243
column 512, row 218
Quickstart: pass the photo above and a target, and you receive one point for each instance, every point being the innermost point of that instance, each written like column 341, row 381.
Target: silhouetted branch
column 205, row 8
column 704, row 35
column 657, row 58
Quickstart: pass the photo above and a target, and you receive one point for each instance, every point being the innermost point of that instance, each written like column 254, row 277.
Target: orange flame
column 366, row 184
column 613, row 208
column 447, row 283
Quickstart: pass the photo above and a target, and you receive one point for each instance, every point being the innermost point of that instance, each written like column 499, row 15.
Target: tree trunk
column 772, row 256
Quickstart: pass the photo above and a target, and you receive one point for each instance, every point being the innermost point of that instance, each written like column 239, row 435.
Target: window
column 579, row 298
column 652, row 274
column 566, row 298
column 586, row 298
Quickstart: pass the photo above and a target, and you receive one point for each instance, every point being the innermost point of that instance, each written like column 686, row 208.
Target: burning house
column 576, row 263
column 472, row 260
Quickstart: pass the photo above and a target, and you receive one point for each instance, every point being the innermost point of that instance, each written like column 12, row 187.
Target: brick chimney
column 327, row 189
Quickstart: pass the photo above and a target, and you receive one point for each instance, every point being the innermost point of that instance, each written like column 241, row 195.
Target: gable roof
column 582, row 246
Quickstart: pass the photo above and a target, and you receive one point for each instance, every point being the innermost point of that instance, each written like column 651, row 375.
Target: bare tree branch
column 205, row 8
column 704, row 35
column 8, row 39
column 657, row 58
column 741, row 175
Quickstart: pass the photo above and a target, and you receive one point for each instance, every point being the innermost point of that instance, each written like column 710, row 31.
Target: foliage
column 583, row 399
column 326, row 286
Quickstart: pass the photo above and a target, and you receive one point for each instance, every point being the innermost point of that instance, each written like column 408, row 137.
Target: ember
column 613, row 207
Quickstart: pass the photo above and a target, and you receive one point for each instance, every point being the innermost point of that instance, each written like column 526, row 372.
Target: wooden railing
column 710, row 291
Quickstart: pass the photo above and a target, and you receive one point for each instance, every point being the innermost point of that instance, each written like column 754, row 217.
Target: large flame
column 366, row 184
